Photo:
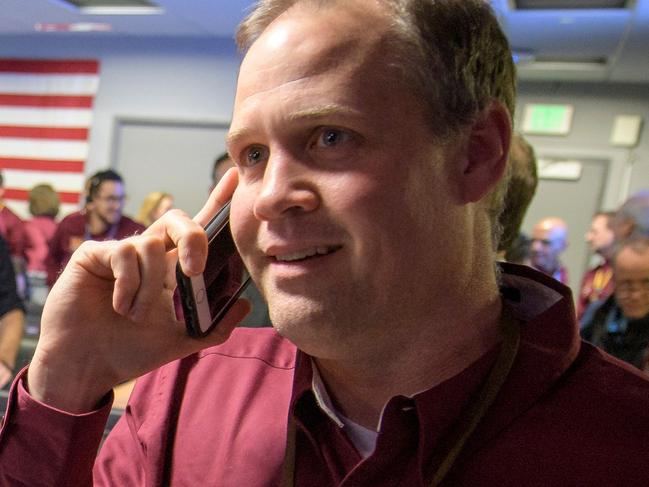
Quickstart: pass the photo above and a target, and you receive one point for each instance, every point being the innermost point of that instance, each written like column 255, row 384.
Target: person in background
column 101, row 219
column 520, row 250
column 520, row 191
column 632, row 218
column 12, row 228
column 155, row 205
column 549, row 240
column 597, row 283
column 12, row 316
column 371, row 138
column 221, row 164
column 44, row 207
column 620, row 326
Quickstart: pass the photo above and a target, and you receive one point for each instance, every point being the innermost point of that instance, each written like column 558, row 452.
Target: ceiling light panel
column 569, row 4
column 114, row 7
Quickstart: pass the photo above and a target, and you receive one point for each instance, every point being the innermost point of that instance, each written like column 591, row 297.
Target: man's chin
column 293, row 320
column 113, row 219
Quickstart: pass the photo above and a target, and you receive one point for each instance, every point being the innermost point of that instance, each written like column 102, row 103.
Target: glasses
column 112, row 199
column 626, row 288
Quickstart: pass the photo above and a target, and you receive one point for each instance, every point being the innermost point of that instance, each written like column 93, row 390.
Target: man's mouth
column 305, row 254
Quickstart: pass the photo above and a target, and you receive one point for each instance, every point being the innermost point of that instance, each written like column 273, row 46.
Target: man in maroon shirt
column 12, row 229
column 370, row 139
column 101, row 219
column 597, row 283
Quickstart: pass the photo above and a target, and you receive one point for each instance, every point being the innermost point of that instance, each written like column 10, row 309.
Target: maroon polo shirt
column 12, row 229
column 596, row 285
column 567, row 415
column 71, row 232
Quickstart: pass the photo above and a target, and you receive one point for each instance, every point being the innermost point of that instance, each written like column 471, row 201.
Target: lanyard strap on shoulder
column 466, row 426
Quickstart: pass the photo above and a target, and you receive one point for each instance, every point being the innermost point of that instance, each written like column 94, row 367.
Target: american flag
column 45, row 119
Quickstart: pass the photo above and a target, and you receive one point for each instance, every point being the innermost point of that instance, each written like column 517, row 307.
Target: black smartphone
column 207, row 298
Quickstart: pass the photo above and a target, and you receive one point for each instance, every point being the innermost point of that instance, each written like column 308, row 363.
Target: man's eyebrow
column 311, row 113
column 321, row 112
column 234, row 135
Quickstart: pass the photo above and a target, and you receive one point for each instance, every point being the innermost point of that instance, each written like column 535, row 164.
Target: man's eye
column 255, row 155
column 332, row 137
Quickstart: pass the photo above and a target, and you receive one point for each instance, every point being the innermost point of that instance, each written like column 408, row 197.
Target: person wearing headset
column 101, row 219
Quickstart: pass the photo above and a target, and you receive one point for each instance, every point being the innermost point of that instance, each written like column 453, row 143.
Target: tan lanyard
column 465, row 429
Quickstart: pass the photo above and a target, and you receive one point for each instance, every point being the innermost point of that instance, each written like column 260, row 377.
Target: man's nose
column 287, row 186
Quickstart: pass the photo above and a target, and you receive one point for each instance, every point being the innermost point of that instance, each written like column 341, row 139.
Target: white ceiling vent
column 113, row 7
column 569, row 4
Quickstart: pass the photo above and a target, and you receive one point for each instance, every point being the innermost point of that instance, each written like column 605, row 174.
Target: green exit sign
column 546, row 119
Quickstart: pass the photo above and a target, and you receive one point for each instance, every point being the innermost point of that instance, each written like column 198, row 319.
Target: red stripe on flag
column 23, row 195
column 44, row 132
column 59, row 101
column 49, row 66
column 42, row 165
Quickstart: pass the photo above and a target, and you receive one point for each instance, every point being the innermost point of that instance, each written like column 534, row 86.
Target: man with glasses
column 101, row 219
column 621, row 325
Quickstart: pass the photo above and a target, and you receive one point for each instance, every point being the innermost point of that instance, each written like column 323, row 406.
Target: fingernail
column 190, row 264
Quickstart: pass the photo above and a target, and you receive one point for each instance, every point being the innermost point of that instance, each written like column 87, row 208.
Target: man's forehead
column 633, row 261
column 300, row 51
column 600, row 221
column 110, row 186
column 323, row 37
column 544, row 232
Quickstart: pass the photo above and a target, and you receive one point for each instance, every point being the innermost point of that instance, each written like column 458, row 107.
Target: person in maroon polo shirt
column 12, row 229
column 101, row 219
column 12, row 316
column 370, row 139
column 597, row 283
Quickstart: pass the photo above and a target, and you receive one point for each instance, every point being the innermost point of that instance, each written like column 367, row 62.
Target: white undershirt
column 364, row 439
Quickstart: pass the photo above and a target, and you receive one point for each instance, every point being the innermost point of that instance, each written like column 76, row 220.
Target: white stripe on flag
column 46, row 117
column 69, row 150
column 22, row 209
column 66, row 182
column 50, row 84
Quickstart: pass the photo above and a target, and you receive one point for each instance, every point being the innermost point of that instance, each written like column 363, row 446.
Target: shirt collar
column 548, row 346
column 322, row 396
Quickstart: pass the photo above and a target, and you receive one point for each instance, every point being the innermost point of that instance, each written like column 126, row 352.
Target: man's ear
column 487, row 152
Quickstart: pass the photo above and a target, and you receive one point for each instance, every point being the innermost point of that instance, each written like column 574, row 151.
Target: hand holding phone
column 206, row 298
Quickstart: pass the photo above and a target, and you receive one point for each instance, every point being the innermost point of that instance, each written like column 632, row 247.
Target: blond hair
column 149, row 206
column 44, row 201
